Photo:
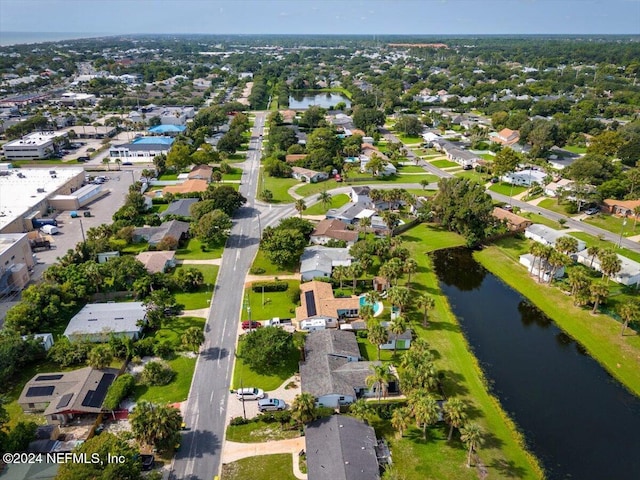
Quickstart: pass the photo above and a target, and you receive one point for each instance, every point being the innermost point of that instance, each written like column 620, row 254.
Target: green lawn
column 507, row 189
column 410, row 169
column 473, row 175
column 263, row 467
column 279, row 188
column 135, row 248
column 172, row 331
column 168, row 176
column 575, row 149
column 552, row 204
column 463, row 377
column 236, row 158
column 320, row 209
column 202, row 297
column 536, row 218
column 177, row 390
column 613, row 223
column 261, row 261
column 234, row 174
column 600, row 334
column 443, row 163
column 591, row 240
column 258, row 432
column 421, row 192
column 409, row 138
column 487, row 156
column 276, row 304
column 194, row 251
column 159, row 207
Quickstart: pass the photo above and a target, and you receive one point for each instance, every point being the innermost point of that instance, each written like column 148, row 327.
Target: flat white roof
column 19, row 195
column 35, row 138
column 97, row 318
column 7, row 240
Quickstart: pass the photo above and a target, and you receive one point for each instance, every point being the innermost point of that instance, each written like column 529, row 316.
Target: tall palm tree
column 378, row 336
column 610, row 264
column 355, row 271
column 366, row 314
column 392, row 270
column 339, row 273
column 300, row 206
column 364, row 224
column 410, row 267
column 391, row 220
column 425, row 303
column 325, row 198
column 567, row 245
column 471, row 436
column 579, row 282
column 534, row 249
column 593, row 252
column 400, row 419
column 629, row 312
column 545, row 254
column 400, row 297
column 598, row 294
column 303, row 408
column 398, row 327
column 361, row 409
column 557, row 260
column 155, row 425
column 106, row 161
column 379, row 377
column 425, row 410
column 454, row 414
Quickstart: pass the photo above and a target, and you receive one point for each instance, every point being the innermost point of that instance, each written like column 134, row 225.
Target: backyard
column 263, row 467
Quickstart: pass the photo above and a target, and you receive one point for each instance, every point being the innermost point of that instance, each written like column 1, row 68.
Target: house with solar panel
column 63, row 396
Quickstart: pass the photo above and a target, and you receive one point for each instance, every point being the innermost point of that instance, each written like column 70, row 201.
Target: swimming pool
column 377, row 307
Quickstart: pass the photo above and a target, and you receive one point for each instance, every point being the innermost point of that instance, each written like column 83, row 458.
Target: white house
column 548, row 236
column 361, row 195
column 307, row 175
column 533, row 266
column 96, row 322
column 629, row 273
column 553, row 188
column 319, row 261
column 143, row 147
column 525, row 178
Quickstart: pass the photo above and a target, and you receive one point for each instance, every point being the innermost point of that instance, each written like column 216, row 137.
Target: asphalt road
column 200, row 454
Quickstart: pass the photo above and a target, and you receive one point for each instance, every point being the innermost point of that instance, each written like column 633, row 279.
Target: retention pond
column 577, row 419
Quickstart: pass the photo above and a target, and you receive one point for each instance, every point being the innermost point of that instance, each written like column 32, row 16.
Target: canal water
column 577, row 419
column 302, row 100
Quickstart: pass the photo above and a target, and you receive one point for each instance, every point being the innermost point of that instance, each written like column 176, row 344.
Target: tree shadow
column 444, row 326
column 507, row 468
column 453, row 383
column 195, row 444
column 491, row 441
column 214, row 353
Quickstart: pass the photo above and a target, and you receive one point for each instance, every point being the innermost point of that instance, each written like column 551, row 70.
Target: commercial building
column 25, row 194
column 16, row 260
column 143, row 147
column 96, row 322
column 36, row 145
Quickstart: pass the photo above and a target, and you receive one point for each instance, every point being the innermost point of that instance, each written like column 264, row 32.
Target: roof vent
column 92, row 320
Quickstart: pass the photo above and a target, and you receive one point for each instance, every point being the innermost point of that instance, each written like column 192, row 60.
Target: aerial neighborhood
column 330, row 258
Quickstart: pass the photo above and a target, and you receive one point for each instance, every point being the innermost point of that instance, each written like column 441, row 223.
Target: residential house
column 548, row 236
column 554, row 189
column 201, row 172
column 194, row 185
column 397, row 341
column 158, row 261
column 360, row 195
column 154, row 235
column 317, row 301
column 181, row 207
column 506, row 137
column 333, row 371
column 622, row 208
column 45, row 338
column 169, row 130
column 307, row 175
column 96, row 322
column 534, row 266
column 464, row 158
column 514, row 222
column 62, row 396
column 340, row 447
column 318, row 261
column 629, row 273
column 350, row 213
column 104, row 257
column 525, row 178
column 333, row 229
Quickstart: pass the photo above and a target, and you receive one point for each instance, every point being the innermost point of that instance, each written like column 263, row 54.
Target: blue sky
column 323, row 16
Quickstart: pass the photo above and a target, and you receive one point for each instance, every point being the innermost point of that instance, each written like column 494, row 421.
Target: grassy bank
column 599, row 334
column 463, row 378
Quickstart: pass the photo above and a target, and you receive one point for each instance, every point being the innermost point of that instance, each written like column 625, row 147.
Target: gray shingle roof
column 180, row 207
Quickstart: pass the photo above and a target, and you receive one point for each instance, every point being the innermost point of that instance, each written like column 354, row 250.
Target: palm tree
column 325, row 198
column 425, row 303
column 610, row 264
column 339, row 273
column 544, row 254
column 567, row 245
column 400, row 419
column 399, row 296
column 303, row 408
column 378, row 336
column 557, row 260
column 534, row 249
column 118, row 163
column 379, row 378
column 105, row 161
column 471, row 436
column 100, row 356
column 375, row 164
column 192, row 338
column 360, row 409
column 392, row 270
column 579, row 282
column 599, row 293
column 391, row 220
column 454, row 414
column 156, row 425
column 593, row 252
column 636, row 213
column 366, row 313
column 300, row 206
column 410, row 267
column 629, row 312
column 425, row 410
column 398, row 327
column 355, row 271
column 365, row 223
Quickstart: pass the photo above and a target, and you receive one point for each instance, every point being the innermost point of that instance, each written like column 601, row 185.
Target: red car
column 338, row 178
column 246, row 325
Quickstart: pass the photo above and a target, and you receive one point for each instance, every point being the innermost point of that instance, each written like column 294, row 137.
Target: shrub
column 238, row 421
column 119, row 389
column 145, row 347
column 270, row 286
column 571, row 208
column 164, row 350
column 276, row 417
column 156, row 373
column 257, row 270
column 294, row 295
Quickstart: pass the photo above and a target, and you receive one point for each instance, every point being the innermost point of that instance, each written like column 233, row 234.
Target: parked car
column 147, row 462
column 249, row 393
column 507, row 207
column 271, row 404
column 592, row 211
column 495, row 180
column 246, row 325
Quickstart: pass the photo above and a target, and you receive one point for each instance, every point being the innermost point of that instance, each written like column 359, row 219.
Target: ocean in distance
column 16, row 38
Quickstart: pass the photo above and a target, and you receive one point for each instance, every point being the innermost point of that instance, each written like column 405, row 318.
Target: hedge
column 269, row 286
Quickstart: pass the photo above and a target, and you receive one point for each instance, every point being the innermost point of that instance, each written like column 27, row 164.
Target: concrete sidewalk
column 207, row 261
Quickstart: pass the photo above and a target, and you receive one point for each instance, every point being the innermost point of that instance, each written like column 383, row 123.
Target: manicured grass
column 507, row 189
column 312, row 188
column 591, row 240
column 177, row 390
column 409, row 138
column 487, row 156
column 443, row 163
column 172, row 330
column 575, row 149
column 370, row 352
column 462, row 377
column 320, row 209
column 552, row 204
column 168, row 176
column 234, row 174
column 279, row 188
column 536, row 218
column 600, row 334
column 202, row 297
column 276, row 304
column 473, row 175
column 263, row 467
column 410, row 169
column 160, row 207
column 193, row 251
column 135, row 248
column 236, row 157
column 261, row 261
column 258, row 432
column 613, row 223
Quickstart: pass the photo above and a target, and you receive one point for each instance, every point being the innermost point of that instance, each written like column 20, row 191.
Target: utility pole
column 82, row 230
column 624, row 223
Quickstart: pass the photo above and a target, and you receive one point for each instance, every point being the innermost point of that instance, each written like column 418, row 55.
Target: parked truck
column 284, row 323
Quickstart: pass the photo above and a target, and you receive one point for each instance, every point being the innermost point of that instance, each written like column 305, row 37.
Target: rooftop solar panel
column 43, row 378
column 94, row 398
column 64, row 400
column 311, row 303
column 40, row 391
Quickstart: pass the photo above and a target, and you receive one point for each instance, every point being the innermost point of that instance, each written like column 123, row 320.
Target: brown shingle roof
column 155, row 262
column 203, row 172
column 334, row 228
column 510, row 217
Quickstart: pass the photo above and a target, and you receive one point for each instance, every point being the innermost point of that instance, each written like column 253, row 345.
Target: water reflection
column 457, row 268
